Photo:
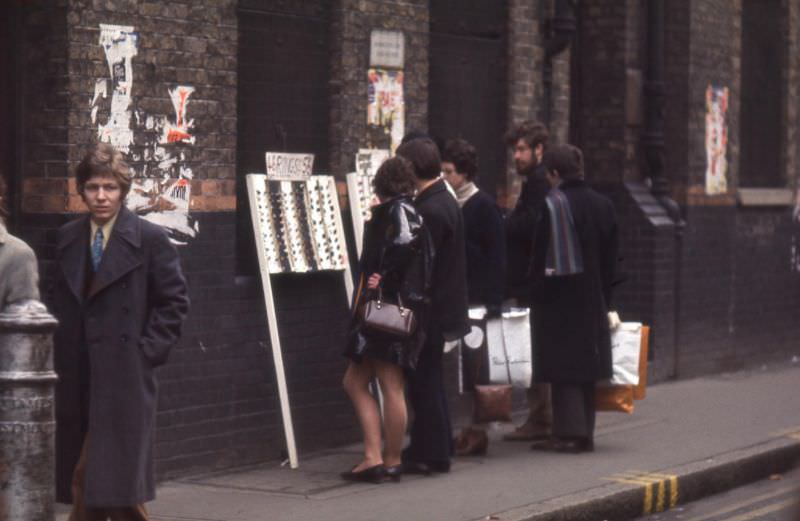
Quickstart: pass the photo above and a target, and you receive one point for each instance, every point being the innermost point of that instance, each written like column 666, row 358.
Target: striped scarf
column 564, row 256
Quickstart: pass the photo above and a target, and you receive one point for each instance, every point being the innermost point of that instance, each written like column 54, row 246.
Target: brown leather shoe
column 526, row 432
column 471, row 442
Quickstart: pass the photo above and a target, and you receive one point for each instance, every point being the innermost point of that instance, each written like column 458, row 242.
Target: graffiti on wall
column 385, row 108
column 716, row 140
column 156, row 145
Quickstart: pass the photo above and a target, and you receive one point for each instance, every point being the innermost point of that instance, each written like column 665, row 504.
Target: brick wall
column 353, row 21
column 525, row 62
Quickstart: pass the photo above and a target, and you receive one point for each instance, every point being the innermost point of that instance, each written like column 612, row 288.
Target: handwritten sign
column 386, row 49
column 369, row 159
column 289, row 167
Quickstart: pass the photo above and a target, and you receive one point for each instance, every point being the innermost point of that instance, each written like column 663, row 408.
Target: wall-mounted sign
column 289, row 167
column 386, row 49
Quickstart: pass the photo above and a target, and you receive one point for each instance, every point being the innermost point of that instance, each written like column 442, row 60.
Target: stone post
column 27, row 426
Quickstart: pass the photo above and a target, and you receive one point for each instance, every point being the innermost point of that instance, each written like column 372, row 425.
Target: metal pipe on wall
column 653, row 142
column 562, row 27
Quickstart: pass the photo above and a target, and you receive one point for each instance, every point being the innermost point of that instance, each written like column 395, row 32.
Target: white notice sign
column 289, row 167
column 386, row 49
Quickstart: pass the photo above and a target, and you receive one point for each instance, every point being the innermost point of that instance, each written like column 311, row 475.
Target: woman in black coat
column 396, row 259
column 485, row 241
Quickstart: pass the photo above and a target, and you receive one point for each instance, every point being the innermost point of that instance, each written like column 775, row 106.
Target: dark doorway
column 283, row 96
column 467, row 93
column 9, row 108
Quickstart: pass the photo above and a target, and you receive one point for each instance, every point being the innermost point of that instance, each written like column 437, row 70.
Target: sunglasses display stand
column 362, row 198
column 298, row 229
column 359, row 189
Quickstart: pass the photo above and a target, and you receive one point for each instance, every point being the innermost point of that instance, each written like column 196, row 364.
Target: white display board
column 298, row 228
column 360, row 192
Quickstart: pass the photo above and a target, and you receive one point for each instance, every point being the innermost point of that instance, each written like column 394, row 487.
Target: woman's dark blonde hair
column 394, row 177
column 104, row 160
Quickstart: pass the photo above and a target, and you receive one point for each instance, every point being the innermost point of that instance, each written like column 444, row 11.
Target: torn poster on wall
column 385, row 108
column 716, row 140
column 156, row 145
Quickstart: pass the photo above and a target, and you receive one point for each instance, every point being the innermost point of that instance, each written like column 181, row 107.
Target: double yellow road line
column 660, row 490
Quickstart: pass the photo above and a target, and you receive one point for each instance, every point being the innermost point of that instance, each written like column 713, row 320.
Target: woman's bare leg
column 356, row 383
column 395, row 415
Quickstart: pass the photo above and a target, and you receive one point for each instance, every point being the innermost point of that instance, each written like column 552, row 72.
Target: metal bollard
column 27, row 426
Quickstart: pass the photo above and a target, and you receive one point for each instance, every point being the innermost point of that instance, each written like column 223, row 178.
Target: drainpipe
column 562, row 28
column 653, row 144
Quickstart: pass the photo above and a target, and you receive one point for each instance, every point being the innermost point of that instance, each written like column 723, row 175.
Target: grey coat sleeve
column 20, row 273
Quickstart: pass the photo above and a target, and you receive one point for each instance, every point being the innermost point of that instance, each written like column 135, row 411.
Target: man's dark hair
column 424, row 156
column 105, row 161
column 463, row 156
column 395, row 177
column 567, row 160
column 414, row 134
column 532, row 132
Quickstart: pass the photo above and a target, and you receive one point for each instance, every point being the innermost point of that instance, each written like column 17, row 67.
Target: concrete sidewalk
column 686, row 440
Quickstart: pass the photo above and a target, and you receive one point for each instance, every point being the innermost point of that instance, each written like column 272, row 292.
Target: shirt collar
column 107, row 228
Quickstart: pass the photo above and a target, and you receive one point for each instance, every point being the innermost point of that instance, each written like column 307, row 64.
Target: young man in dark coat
column 574, row 261
column 528, row 141
column 120, row 299
column 431, row 443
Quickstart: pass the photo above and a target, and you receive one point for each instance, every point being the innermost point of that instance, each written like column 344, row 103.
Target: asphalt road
column 775, row 499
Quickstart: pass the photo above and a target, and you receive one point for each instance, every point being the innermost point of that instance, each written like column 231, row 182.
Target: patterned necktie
column 97, row 248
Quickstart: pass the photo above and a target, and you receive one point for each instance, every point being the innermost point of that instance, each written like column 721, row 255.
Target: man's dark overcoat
column 572, row 343
column 126, row 317
column 444, row 221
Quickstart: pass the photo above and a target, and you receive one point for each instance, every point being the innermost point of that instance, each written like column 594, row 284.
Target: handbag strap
column 399, row 298
column 505, row 351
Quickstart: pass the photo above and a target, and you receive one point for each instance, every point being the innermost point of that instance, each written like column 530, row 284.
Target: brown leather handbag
column 387, row 317
column 492, row 403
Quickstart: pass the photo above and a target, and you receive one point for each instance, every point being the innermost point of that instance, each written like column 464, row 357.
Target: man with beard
column 528, row 141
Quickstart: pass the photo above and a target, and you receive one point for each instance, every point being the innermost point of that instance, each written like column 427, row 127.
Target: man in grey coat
column 120, row 298
column 19, row 274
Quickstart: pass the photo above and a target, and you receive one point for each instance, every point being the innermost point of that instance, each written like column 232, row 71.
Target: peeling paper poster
column 716, row 140
column 156, row 146
column 385, row 108
column 119, row 43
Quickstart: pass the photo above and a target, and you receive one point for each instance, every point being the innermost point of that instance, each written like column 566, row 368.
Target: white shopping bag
column 626, row 342
column 509, row 345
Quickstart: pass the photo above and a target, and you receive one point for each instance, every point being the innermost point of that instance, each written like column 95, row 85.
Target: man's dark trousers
column 431, row 432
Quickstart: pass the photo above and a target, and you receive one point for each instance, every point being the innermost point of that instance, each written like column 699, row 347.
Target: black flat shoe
column 375, row 474
column 395, row 472
column 564, row 446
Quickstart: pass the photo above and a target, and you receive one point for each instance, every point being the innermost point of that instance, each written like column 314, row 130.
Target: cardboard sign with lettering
column 282, row 166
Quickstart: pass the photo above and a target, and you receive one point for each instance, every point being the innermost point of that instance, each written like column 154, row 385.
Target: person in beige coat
column 19, row 273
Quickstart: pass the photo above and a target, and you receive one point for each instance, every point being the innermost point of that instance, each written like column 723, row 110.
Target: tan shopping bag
column 619, row 398
column 615, row 398
column 640, row 391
